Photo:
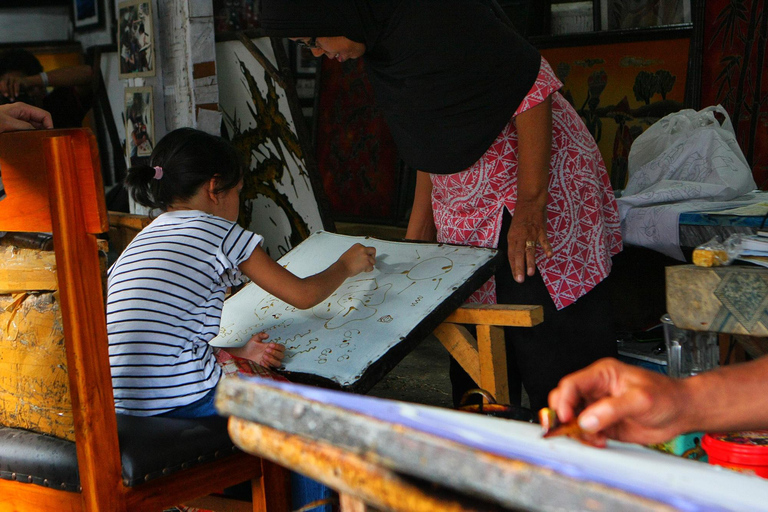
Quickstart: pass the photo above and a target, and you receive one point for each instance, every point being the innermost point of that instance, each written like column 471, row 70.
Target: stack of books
column 754, row 248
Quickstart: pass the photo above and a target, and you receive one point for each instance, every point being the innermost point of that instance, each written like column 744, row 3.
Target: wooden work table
column 404, row 457
column 729, row 300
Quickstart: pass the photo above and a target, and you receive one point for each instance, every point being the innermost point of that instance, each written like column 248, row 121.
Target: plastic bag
column 687, row 155
column 717, row 254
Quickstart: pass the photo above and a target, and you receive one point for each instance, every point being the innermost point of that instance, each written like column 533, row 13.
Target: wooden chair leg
column 492, row 353
column 272, row 492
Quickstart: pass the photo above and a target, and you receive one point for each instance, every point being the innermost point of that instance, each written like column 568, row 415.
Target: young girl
column 166, row 290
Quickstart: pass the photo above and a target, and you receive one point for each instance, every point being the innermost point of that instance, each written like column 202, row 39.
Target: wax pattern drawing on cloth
column 369, row 313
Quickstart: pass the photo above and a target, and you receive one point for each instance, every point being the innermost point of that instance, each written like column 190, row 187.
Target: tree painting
column 621, row 89
column 734, row 73
column 277, row 200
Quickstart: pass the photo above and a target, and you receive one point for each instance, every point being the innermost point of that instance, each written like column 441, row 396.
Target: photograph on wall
column 139, row 124
column 620, row 89
column 234, row 15
column 135, row 39
column 282, row 194
column 631, row 14
column 87, row 14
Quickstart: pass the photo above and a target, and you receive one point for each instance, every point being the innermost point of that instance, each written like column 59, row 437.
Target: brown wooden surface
column 123, row 227
column 72, row 207
column 34, row 384
column 485, row 358
column 730, row 299
column 348, row 473
column 23, row 270
column 372, row 450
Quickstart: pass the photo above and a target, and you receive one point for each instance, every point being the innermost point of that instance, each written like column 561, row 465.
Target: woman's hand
column 264, row 354
column 527, row 232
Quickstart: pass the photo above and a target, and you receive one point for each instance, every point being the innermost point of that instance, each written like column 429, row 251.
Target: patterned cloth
column 232, row 365
column 583, row 222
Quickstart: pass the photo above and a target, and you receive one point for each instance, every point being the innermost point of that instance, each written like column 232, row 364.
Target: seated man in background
column 22, row 79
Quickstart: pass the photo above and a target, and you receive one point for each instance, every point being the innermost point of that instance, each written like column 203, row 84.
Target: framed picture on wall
column 306, row 63
column 87, row 14
column 136, row 39
column 619, row 87
column 629, row 14
column 139, row 124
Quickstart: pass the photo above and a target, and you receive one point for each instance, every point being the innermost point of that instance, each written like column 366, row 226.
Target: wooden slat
column 98, row 451
column 462, row 346
column 192, row 483
column 24, row 270
column 23, row 497
column 492, row 354
column 505, row 315
column 345, row 472
column 24, row 208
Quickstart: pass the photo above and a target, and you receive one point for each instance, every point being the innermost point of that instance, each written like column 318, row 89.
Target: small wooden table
column 484, row 358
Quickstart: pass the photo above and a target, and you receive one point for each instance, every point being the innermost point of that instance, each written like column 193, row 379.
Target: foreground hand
column 527, row 233
column 20, row 116
column 359, row 258
column 261, row 353
column 621, row 402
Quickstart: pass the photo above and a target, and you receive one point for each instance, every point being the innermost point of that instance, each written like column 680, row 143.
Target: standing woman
column 503, row 161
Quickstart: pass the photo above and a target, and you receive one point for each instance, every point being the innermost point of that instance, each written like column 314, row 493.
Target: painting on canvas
column 352, row 338
column 262, row 118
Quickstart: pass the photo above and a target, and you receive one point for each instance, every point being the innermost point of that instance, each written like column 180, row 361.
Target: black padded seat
column 150, row 447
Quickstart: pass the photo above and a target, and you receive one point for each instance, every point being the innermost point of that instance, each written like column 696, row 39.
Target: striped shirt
column 164, row 299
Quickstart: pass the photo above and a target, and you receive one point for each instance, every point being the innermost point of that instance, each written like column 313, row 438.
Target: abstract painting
column 620, row 89
column 341, row 341
column 280, row 197
column 735, row 73
column 356, row 156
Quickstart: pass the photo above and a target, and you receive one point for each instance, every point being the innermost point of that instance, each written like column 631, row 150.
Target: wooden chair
column 116, row 463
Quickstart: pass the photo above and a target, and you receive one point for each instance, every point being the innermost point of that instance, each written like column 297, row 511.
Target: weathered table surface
column 731, row 299
column 382, row 460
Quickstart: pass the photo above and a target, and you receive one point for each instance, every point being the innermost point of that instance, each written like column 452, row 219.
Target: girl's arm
column 421, row 224
column 529, row 221
column 304, row 293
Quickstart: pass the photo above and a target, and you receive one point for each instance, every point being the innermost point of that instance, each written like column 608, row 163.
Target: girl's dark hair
column 189, row 159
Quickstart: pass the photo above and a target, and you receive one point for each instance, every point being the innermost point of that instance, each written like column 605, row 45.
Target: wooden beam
column 492, row 353
column 346, row 472
column 458, row 341
column 504, row 315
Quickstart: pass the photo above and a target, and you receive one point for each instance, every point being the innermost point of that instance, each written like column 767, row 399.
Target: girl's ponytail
column 143, row 186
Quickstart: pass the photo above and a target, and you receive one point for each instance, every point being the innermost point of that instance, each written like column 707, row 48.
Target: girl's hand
column 264, row 354
column 11, row 86
column 358, row 258
column 527, row 232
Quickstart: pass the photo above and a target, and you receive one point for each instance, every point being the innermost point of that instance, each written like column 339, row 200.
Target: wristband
column 44, row 78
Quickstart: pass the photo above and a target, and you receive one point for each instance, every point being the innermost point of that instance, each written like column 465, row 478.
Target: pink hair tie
column 158, row 172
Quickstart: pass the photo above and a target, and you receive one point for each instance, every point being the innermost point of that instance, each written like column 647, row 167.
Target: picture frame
column 139, row 124
column 634, row 14
column 87, row 14
column 620, row 83
column 282, row 197
column 305, row 63
column 136, row 39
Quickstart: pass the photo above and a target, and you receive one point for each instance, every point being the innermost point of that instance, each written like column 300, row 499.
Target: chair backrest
column 52, row 182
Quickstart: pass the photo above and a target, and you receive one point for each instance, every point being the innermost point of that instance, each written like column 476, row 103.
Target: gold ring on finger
column 530, row 243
